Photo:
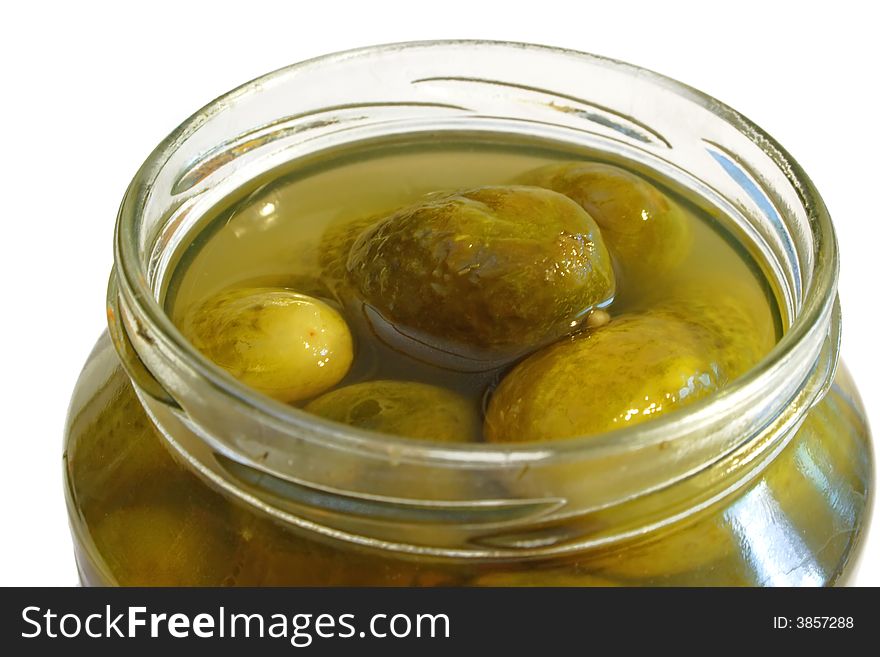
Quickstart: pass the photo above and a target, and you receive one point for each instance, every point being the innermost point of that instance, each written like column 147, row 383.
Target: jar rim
column 816, row 311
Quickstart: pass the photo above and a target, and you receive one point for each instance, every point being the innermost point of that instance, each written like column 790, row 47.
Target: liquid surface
column 280, row 235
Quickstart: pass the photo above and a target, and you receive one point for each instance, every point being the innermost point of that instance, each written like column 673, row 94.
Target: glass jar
column 178, row 474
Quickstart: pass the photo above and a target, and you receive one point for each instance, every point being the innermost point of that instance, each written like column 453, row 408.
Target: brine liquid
column 272, row 236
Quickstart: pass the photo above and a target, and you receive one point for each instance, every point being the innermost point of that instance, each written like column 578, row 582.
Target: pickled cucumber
column 401, row 408
column 285, row 344
column 647, row 231
column 178, row 544
column 631, row 370
column 492, row 269
column 670, row 554
column 736, row 333
column 335, row 246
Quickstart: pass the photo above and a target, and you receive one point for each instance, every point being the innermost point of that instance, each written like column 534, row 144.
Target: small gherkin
column 287, row 345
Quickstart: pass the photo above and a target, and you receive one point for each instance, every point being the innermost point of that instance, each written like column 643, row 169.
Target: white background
column 88, row 90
